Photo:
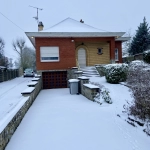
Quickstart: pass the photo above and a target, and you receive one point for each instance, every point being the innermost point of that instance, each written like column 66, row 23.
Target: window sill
column 99, row 53
column 49, row 60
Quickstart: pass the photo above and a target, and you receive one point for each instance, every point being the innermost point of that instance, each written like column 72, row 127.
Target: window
column 99, row 51
column 116, row 54
column 49, row 54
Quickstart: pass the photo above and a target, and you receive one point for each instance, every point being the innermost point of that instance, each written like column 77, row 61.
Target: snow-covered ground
column 60, row 121
column 10, row 94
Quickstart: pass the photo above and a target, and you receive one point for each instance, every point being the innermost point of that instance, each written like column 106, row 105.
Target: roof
column 71, row 25
column 2, row 67
column 71, row 28
column 123, row 39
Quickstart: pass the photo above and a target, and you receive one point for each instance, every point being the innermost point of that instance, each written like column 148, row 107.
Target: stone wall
column 90, row 91
column 84, row 88
column 8, row 127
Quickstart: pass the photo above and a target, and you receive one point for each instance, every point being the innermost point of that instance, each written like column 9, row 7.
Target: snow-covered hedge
column 146, row 56
column 116, row 73
column 136, row 63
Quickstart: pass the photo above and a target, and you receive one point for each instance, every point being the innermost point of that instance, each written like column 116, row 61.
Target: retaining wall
column 11, row 121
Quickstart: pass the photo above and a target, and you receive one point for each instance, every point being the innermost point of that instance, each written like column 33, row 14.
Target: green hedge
column 116, row 73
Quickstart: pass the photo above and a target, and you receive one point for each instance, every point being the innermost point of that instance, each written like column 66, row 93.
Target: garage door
column 52, row 80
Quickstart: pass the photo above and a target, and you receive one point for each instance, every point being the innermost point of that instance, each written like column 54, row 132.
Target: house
column 72, row 43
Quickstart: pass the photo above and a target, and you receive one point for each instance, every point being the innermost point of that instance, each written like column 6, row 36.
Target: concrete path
column 60, row 121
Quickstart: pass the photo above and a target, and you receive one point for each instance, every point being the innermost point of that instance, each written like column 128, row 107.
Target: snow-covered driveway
column 60, row 121
column 10, row 94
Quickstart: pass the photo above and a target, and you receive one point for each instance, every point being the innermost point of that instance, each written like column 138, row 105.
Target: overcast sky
column 109, row 15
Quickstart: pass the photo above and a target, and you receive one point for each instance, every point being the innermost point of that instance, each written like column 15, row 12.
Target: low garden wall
column 85, row 88
column 11, row 121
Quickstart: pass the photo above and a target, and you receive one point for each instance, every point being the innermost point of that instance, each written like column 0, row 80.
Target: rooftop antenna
column 36, row 18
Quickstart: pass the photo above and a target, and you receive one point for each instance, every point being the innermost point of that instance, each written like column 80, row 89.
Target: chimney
column 40, row 26
column 81, row 21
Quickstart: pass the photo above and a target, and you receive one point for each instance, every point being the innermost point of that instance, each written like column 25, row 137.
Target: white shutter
column 49, row 54
column 82, row 57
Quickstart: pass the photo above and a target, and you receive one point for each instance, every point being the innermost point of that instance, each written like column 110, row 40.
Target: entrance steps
column 89, row 71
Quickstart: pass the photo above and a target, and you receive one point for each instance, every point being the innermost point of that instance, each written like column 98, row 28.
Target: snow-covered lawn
column 60, row 121
column 10, row 94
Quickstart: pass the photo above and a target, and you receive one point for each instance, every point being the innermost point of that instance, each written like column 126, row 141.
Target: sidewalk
column 10, row 94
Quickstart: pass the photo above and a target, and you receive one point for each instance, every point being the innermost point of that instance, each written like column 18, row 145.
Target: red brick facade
column 67, row 51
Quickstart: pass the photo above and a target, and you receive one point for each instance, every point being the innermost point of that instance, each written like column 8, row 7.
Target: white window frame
column 49, row 54
column 116, row 54
column 100, row 51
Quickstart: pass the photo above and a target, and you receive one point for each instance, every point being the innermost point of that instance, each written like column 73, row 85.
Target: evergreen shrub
column 116, row 73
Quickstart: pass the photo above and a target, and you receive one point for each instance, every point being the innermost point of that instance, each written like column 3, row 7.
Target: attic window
column 100, row 51
column 49, row 54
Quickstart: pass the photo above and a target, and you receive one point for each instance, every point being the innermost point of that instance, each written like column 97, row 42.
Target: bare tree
column 26, row 54
column 3, row 59
column 2, row 45
column 127, row 44
column 18, row 46
column 29, row 58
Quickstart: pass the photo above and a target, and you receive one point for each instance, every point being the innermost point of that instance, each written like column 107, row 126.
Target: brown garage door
column 52, row 80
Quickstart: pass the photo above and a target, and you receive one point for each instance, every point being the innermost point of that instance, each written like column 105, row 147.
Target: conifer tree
column 141, row 40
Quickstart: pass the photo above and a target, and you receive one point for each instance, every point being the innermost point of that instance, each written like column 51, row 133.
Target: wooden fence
column 8, row 74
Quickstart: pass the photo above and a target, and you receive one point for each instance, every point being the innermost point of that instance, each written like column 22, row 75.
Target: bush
column 139, row 81
column 146, row 56
column 133, row 71
column 116, row 73
column 106, row 96
column 103, row 94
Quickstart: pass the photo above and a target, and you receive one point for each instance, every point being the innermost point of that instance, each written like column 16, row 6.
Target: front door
column 82, row 57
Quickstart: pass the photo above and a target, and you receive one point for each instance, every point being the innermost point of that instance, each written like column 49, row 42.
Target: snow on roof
column 71, row 25
column 2, row 67
column 71, row 28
